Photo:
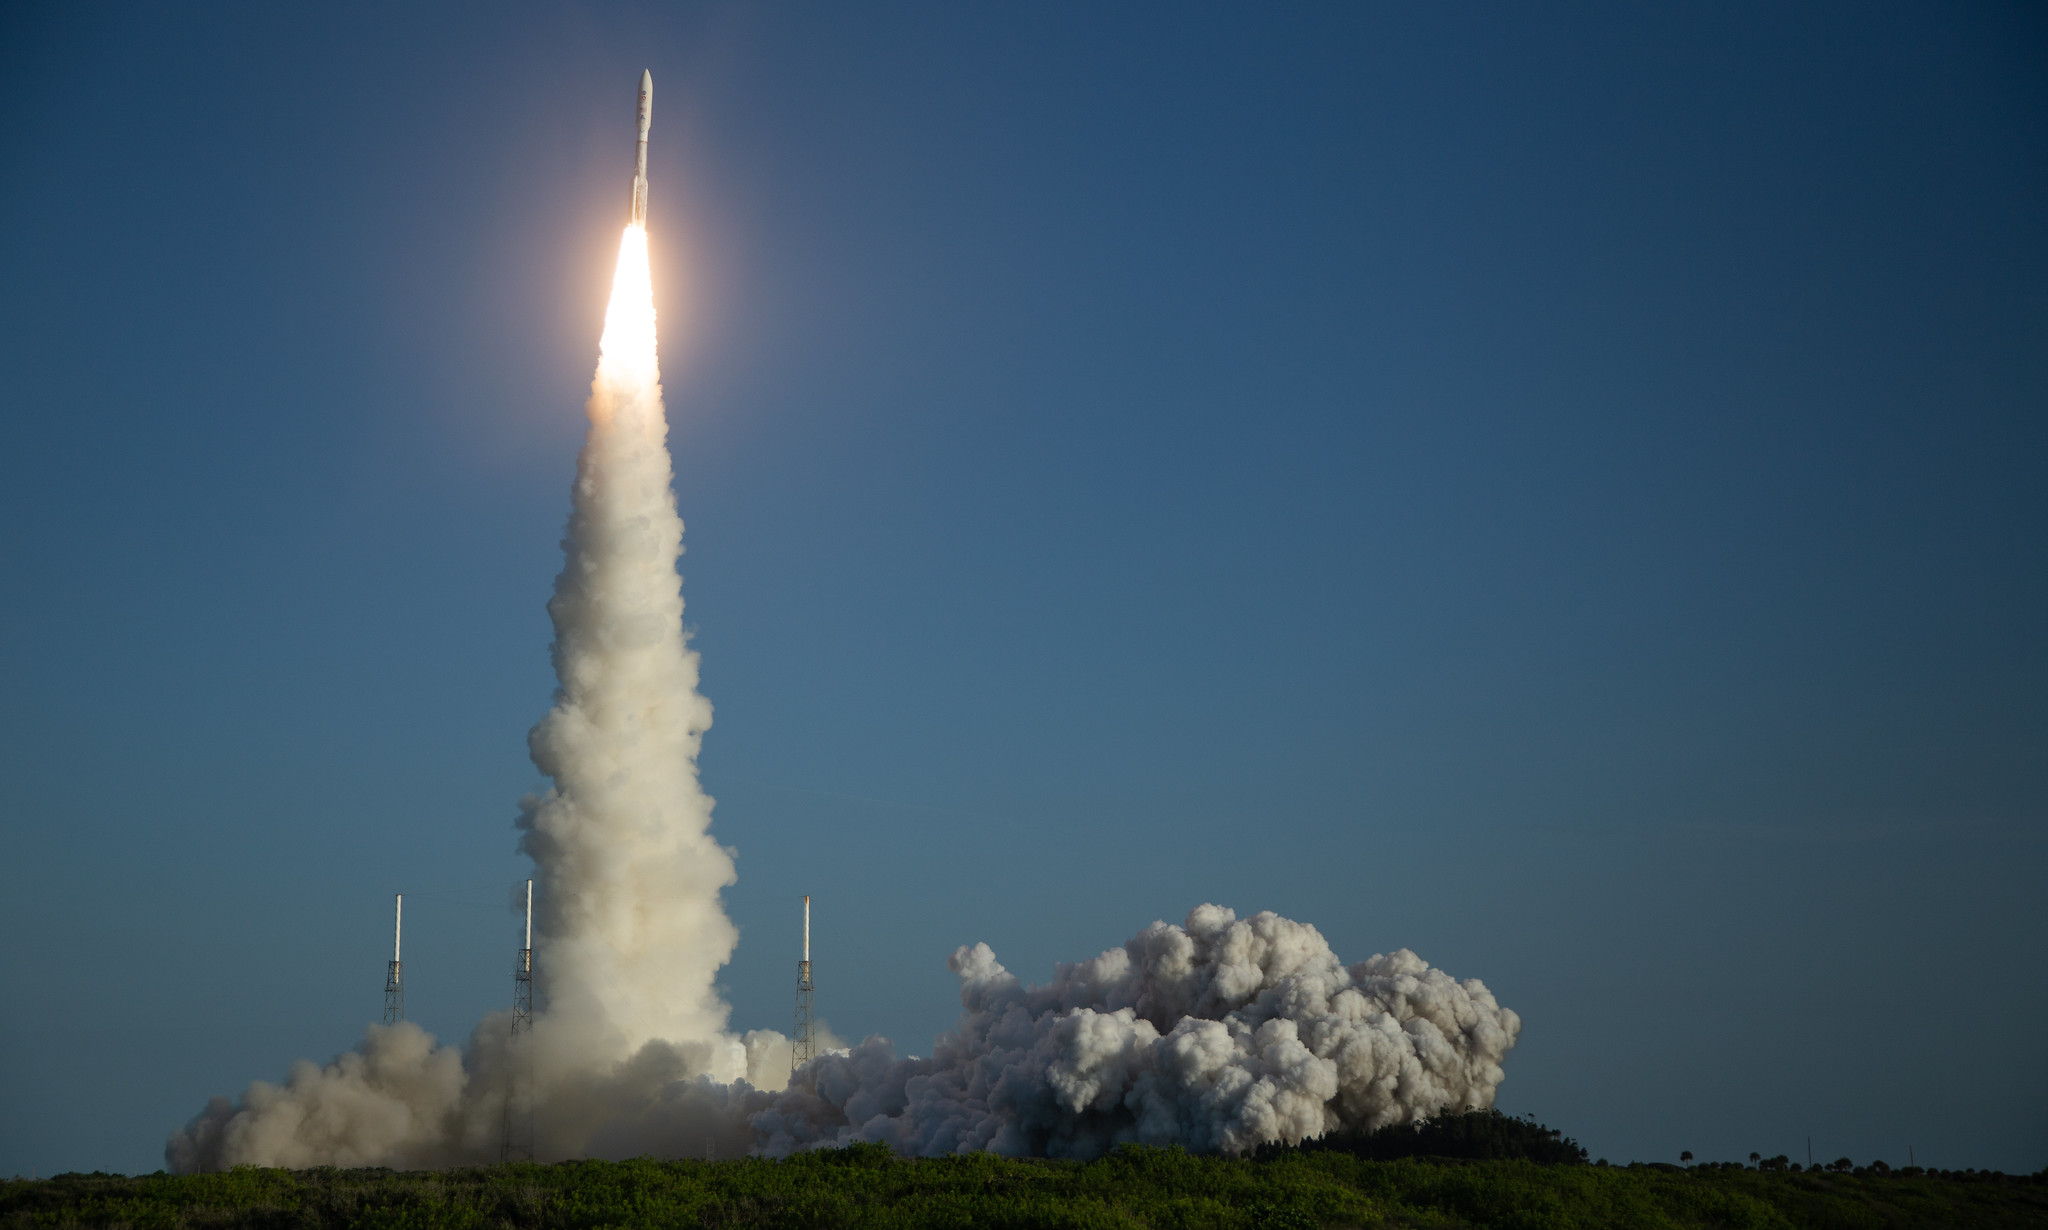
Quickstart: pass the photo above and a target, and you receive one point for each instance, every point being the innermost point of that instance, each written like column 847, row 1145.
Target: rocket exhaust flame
column 1221, row 1033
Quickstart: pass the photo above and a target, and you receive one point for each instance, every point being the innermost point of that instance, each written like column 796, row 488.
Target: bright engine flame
column 626, row 353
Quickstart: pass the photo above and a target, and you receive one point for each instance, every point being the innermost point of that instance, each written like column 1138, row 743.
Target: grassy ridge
column 866, row 1186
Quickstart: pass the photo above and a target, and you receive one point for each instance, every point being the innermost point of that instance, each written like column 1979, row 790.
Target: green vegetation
column 868, row 1186
column 1480, row 1135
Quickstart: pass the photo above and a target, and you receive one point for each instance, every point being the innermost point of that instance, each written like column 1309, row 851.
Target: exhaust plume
column 1219, row 1034
column 632, row 932
column 628, row 876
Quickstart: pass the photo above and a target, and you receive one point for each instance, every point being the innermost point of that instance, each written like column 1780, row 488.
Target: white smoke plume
column 630, row 929
column 1219, row 1035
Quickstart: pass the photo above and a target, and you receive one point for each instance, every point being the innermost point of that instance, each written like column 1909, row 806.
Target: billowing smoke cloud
column 1222, row 1035
column 1219, row 1035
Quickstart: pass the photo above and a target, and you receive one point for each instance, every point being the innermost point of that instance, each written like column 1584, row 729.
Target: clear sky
column 1560, row 488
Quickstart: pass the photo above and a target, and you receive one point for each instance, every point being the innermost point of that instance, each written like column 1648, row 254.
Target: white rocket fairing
column 639, row 214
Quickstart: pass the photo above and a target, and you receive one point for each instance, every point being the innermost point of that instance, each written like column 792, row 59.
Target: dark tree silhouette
column 1476, row 1135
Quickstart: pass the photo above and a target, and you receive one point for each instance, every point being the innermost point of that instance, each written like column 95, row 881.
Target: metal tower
column 518, row 1138
column 522, row 976
column 803, row 1042
column 394, row 980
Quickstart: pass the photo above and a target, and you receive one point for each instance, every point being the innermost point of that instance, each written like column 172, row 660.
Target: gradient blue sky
column 1560, row 488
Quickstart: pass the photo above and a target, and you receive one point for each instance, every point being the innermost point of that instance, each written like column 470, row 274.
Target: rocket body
column 638, row 216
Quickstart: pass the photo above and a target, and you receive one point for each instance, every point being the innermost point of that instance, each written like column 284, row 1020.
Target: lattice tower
column 804, row 1038
column 394, row 973
column 518, row 1137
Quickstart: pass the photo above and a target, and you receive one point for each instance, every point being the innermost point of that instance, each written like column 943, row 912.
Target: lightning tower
column 522, row 976
column 518, row 1138
column 394, row 979
column 803, row 1041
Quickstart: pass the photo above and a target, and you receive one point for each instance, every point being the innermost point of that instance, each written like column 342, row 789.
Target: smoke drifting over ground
column 1220, row 1034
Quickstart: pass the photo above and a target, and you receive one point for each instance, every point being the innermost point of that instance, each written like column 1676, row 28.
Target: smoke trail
column 631, row 932
column 1220, row 1034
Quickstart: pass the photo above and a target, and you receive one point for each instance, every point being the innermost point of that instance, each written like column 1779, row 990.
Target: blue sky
column 1558, row 490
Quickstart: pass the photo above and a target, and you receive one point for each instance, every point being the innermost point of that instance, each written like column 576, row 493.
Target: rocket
column 639, row 211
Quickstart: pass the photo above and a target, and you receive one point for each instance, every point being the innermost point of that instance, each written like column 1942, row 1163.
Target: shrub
column 1480, row 1135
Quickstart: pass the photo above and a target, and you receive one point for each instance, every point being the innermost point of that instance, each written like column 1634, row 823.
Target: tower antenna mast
column 518, row 1137
column 522, row 975
column 394, row 978
column 803, row 1043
